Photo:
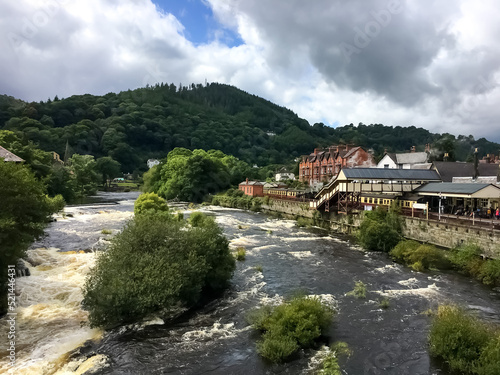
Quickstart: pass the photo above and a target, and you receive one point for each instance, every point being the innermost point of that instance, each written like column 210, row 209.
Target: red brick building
column 323, row 164
column 252, row 188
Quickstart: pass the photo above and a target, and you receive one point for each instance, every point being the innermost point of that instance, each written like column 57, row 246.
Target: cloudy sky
column 431, row 64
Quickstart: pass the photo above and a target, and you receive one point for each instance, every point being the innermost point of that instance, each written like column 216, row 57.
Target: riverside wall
column 439, row 233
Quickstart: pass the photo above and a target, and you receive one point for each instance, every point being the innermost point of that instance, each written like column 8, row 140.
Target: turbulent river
column 216, row 339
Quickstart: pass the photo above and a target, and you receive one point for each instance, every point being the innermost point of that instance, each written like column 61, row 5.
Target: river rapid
column 216, row 339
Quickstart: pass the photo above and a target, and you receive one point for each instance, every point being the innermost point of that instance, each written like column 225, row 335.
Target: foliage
column 240, row 253
column 84, row 168
column 330, row 364
column 380, row 230
column 359, row 290
column 258, row 268
column 197, row 219
column 134, row 126
column 108, row 168
column 464, row 342
column 156, row 264
column 26, row 210
column 294, row 324
column 419, row 256
column 106, row 231
column 467, row 258
column 384, row 303
column 192, row 175
column 150, row 203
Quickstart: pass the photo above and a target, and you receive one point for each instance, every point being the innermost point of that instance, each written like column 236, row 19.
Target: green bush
column 240, row 253
column 489, row 273
column 489, row 360
column 467, row 258
column 155, row 264
column 359, row 290
column 150, row 203
column 380, row 230
column 289, row 326
column 460, row 339
column 197, row 219
column 420, row 257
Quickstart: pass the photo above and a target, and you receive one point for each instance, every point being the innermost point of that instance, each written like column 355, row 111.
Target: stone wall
column 289, row 207
column 434, row 232
column 450, row 235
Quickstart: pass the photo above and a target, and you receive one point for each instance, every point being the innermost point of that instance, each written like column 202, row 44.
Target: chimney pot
column 412, row 148
column 247, row 181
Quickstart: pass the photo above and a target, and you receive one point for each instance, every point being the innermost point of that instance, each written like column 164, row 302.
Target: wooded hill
column 135, row 125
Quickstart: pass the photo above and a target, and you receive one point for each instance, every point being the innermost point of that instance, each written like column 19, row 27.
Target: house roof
column 448, row 170
column 6, row 155
column 390, row 174
column 251, row 183
column 452, row 188
column 411, row 158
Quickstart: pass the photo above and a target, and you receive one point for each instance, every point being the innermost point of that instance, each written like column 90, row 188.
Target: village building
column 460, row 197
column 8, row 156
column 324, row 164
column 283, row 175
column 453, row 171
column 408, row 160
column 252, row 188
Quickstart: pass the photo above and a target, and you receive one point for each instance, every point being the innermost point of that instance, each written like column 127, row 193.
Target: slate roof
column 448, row 170
column 391, row 174
column 251, row 183
column 411, row 158
column 451, row 188
column 6, row 155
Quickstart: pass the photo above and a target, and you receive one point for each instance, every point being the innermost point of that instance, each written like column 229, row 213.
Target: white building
column 282, row 176
column 409, row 160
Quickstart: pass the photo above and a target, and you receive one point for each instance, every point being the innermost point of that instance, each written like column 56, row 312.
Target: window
column 386, row 165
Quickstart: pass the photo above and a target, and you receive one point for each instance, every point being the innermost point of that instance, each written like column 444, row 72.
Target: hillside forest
column 135, row 125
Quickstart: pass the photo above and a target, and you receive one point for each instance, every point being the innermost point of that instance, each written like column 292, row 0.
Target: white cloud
column 438, row 69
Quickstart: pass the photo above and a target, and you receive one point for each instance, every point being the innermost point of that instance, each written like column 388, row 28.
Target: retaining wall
column 430, row 231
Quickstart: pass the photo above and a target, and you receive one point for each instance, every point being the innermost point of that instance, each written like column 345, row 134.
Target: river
column 216, row 339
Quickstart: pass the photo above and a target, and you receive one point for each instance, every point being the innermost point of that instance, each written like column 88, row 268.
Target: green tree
column 108, row 168
column 156, row 264
column 26, row 210
column 84, row 168
column 150, row 203
column 380, row 230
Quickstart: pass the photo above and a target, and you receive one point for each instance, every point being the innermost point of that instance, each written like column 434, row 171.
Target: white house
column 409, row 160
column 281, row 176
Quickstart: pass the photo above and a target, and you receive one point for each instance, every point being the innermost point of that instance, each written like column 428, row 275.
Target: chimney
column 385, row 151
column 445, row 158
column 347, row 147
column 412, row 149
column 316, row 151
column 428, row 147
column 247, row 181
column 476, row 163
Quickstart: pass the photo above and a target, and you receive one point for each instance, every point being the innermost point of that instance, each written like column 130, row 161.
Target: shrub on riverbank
column 464, row 342
column 234, row 198
column 380, row 230
column 419, row 256
column 156, row 264
column 148, row 203
column 467, row 258
column 294, row 324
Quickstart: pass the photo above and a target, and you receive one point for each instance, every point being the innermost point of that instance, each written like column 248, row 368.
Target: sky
column 430, row 64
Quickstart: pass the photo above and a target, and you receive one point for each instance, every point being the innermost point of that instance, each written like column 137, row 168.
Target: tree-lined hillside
column 135, row 125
